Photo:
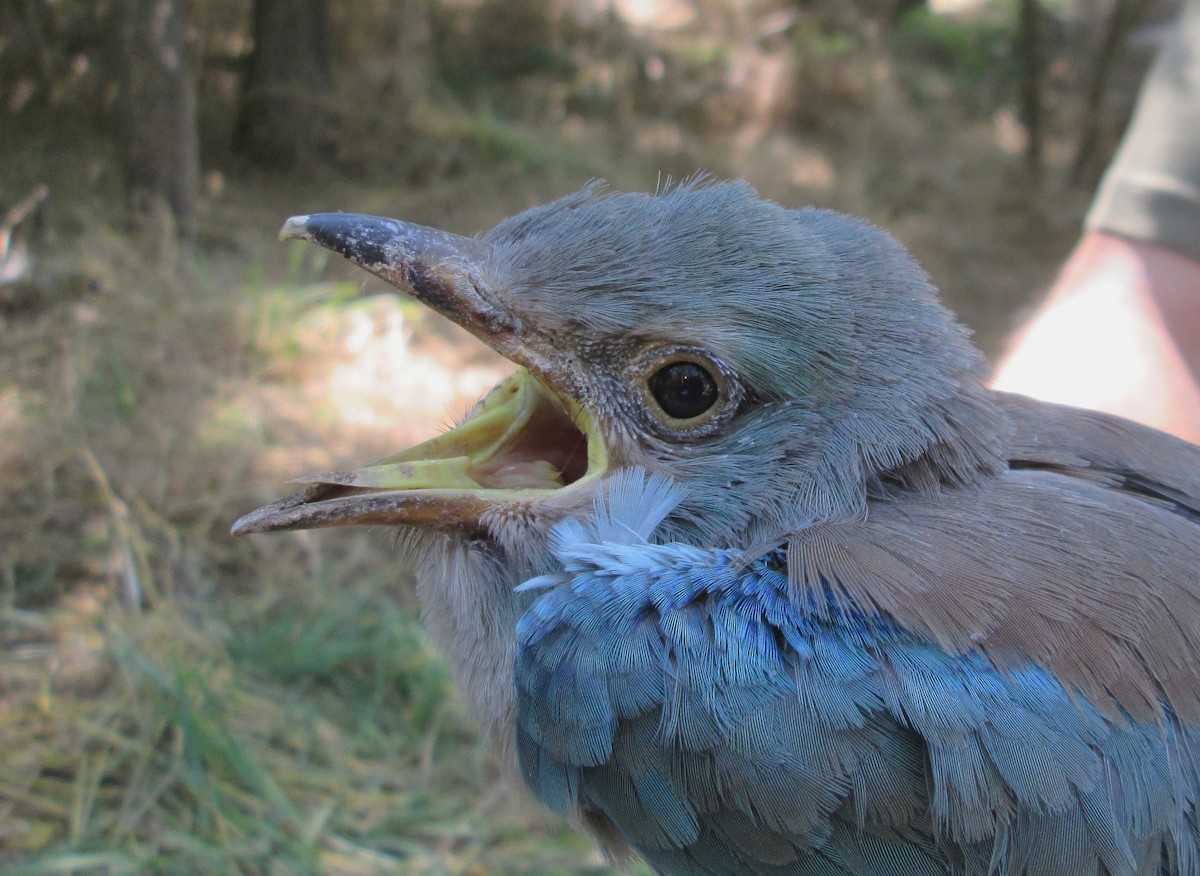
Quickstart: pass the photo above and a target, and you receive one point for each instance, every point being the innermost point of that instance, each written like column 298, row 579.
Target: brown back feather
column 1084, row 557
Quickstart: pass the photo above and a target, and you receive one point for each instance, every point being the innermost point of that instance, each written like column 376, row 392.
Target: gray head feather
column 855, row 373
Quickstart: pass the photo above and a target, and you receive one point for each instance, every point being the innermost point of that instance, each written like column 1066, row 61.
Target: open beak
column 524, row 441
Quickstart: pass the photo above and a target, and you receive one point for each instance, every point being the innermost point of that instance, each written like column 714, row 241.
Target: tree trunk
column 284, row 115
column 160, row 151
column 1125, row 16
column 1031, row 83
column 412, row 60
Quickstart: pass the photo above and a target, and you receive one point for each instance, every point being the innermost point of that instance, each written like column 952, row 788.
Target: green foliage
column 500, row 42
column 498, row 141
column 359, row 648
column 973, row 50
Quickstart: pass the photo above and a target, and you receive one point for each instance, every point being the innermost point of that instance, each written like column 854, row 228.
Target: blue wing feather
column 723, row 726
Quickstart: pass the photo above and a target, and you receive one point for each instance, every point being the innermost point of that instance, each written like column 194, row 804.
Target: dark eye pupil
column 683, row 390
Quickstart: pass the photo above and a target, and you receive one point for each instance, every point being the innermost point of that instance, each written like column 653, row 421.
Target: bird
column 747, row 570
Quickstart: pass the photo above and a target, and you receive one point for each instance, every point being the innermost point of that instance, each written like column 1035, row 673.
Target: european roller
column 748, row 571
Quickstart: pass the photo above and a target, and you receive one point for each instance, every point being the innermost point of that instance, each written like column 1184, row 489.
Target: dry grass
column 173, row 700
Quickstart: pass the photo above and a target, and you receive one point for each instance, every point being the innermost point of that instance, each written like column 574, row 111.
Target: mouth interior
column 522, row 436
column 547, row 451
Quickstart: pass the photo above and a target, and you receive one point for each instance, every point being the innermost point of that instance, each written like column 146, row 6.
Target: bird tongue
column 520, row 442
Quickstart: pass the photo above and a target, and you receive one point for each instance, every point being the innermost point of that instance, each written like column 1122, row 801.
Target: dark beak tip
column 367, row 241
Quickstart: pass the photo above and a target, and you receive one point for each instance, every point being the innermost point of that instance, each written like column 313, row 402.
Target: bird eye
column 686, row 392
column 683, row 390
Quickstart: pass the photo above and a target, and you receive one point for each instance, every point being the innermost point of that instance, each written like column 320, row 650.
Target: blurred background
column 174, row 701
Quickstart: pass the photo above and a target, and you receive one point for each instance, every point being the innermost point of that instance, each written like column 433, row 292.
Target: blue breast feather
column 689, row 700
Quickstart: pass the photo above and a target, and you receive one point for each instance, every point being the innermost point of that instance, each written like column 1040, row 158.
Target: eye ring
column 685, row 391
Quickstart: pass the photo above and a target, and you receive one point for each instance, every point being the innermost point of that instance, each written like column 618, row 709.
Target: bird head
column 779, row 364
